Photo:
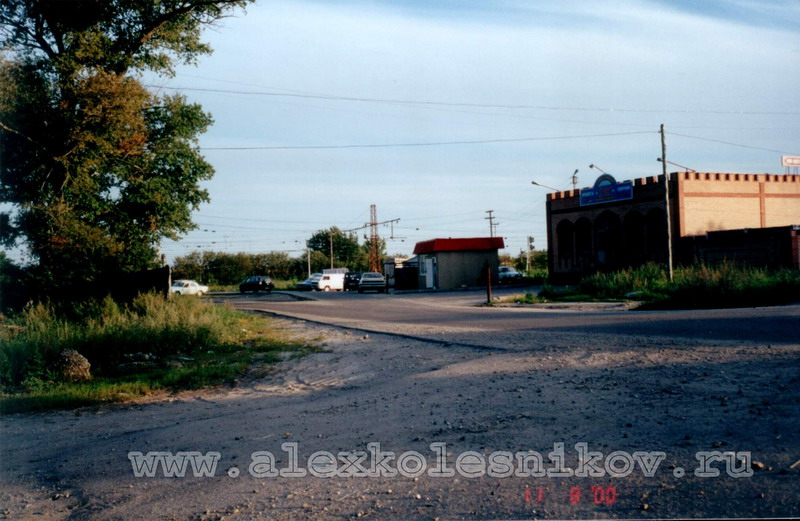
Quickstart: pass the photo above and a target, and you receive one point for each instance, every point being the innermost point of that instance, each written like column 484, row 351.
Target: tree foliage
column 231, row 268
column 98, row 170
column 346, row 251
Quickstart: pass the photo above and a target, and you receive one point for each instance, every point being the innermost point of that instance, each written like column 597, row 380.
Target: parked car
column 188, row 287
column 310, row 283
column 508, row 274
column 351, row 279
column 372, row 281
column 331, row 282
column 256, row 283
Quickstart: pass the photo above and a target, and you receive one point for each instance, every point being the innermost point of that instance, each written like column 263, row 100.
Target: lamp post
column 598, row 168
column 676, row 164
column 545, row 186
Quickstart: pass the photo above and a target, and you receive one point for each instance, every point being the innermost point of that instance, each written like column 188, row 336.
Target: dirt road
column 476, row 399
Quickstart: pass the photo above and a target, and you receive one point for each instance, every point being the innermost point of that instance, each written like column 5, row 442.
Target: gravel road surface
column 432, row 407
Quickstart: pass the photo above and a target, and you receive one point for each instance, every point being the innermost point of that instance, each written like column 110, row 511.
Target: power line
column 728, row 143
column 282, row 221
column 473, row 105
column 430, row 144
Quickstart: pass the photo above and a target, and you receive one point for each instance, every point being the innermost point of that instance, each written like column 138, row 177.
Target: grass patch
column 550, row 294
column 280, row 285
column 725, row 285
column 526, row 298
column 537, row 276
column 222, row 288
column 152, row 345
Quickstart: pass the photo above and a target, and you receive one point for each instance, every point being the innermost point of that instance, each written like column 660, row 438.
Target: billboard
column 790, row 161
column 606, row 190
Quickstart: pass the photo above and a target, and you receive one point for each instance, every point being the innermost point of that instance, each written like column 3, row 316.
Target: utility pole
column 492, row 224
column 308, row 256
column 330, row 235
column 666, row 201
column 530, row 249
column 575, row 179
column 374, row 239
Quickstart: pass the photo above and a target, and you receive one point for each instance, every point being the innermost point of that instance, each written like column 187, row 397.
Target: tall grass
column 697, row 286
column 152, row 343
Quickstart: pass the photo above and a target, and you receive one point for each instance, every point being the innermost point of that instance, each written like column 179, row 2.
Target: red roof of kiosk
column 475, row 243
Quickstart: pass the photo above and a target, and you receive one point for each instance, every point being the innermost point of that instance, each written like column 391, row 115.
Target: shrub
column 110, row 335
column 698, row 286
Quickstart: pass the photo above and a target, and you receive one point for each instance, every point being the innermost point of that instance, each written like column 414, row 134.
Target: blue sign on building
column 606, row 190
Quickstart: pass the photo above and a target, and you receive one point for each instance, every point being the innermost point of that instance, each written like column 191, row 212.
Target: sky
column 438, row 111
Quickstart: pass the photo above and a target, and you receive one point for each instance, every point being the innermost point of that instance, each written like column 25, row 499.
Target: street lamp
column 597, row 167
column 676, row 164
column 545, row 186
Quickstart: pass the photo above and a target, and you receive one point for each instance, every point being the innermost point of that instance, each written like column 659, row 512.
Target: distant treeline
column 221, row 268
column 232, row 268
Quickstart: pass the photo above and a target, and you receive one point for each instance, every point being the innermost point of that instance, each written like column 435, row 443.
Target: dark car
column 310, row 283
column 257, row 283
column 351, row 279
column 372, row 281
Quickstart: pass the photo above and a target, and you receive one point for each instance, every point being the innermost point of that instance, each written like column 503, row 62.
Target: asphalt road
column 415, row 371
column 461, row 315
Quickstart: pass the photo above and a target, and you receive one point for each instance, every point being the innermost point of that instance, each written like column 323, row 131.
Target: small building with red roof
column 457, row 263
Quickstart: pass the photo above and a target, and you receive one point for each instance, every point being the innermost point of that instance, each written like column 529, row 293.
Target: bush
column 693, row 287
column 731, row 285
column 650, row 279
column 116, row 339
column 697, row 286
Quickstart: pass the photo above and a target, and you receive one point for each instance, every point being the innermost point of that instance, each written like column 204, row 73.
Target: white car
column 508, row 274
column 188, row 287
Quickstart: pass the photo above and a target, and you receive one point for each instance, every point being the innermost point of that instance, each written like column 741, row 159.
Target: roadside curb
column 573, row 306
column 405, row 336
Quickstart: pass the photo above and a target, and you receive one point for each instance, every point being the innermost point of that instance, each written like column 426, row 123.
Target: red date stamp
column 597, row 494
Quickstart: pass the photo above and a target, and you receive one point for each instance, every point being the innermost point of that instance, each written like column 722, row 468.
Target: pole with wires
column 666, row 202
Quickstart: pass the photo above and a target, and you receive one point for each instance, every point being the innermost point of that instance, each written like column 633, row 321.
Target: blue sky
column 439, row 111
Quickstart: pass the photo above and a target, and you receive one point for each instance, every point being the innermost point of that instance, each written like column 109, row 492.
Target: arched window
column 656, row 233
column 608, row 235
column 584, row 252
column 565, row 245
column 635, row 239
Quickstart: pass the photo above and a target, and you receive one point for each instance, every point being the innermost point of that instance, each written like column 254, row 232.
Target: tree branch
column 17, row 132
column 149, row 30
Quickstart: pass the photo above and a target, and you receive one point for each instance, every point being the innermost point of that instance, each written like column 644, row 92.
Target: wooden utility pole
column 331, row 237
column 530, row 248
column 666, row 201
column 492, row 224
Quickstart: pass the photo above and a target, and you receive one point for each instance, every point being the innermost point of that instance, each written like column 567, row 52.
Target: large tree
column 98, row 170
column 346, row 251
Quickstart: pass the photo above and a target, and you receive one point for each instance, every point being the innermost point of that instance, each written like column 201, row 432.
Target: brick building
column 616, row 225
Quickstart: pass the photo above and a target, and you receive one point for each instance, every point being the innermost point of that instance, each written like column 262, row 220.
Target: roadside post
column 488, row 285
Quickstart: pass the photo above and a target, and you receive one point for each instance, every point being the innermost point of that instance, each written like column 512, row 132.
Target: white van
column 331, row 282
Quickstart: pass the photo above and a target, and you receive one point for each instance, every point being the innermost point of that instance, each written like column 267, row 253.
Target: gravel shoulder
column 473, row 391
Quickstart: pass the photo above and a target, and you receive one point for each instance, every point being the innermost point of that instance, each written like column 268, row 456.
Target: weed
column 693, row 287
column 151, row 345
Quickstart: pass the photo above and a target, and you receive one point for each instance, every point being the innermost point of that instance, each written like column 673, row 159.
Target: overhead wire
column 727, row 143
column 331, row 97
column 429, row 144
